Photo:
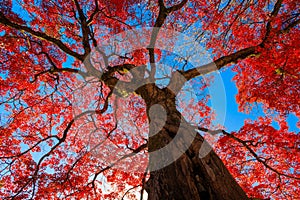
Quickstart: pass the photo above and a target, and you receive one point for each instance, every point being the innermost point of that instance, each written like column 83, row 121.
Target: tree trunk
column 193, row 178
column 176, row 171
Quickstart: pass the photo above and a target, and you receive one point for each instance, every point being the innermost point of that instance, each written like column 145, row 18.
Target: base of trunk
column 193, row 178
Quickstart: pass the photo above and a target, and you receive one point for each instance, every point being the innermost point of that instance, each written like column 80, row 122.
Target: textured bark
column 188, row 177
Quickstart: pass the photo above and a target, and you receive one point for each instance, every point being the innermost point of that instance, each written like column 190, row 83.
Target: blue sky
column 234, row 118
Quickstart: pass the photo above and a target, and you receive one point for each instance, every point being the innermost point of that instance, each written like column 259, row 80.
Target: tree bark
column 186, row 176
column 191, row 177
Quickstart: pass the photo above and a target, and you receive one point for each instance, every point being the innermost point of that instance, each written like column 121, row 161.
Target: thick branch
column 241, row 54
column 219, row 63
column 162, row 15
column 177, row 7
column 290, row 26
column 234, row 57
column 59, row 70
column 96, row 10
column 60, row 44
column 84, row 28
column 269, row 25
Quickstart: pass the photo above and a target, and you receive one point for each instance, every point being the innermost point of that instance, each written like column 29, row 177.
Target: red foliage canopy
column 66, row 128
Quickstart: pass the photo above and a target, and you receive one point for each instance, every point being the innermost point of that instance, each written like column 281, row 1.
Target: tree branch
column 290, row 26
column 84, row 28
column 177, row 7
column 60, row 141
column 239, row 55
column 219, row 63
column 269, row 25
column 96, row 10
column 162, row 15
column 134, row 152
column 58, row 43
column 57, row 70
column 252, row 152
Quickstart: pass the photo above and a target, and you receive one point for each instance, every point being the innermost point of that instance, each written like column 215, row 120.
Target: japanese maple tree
column 105, row 99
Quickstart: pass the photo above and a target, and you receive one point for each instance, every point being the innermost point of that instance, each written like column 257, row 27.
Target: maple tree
column 79, row 80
